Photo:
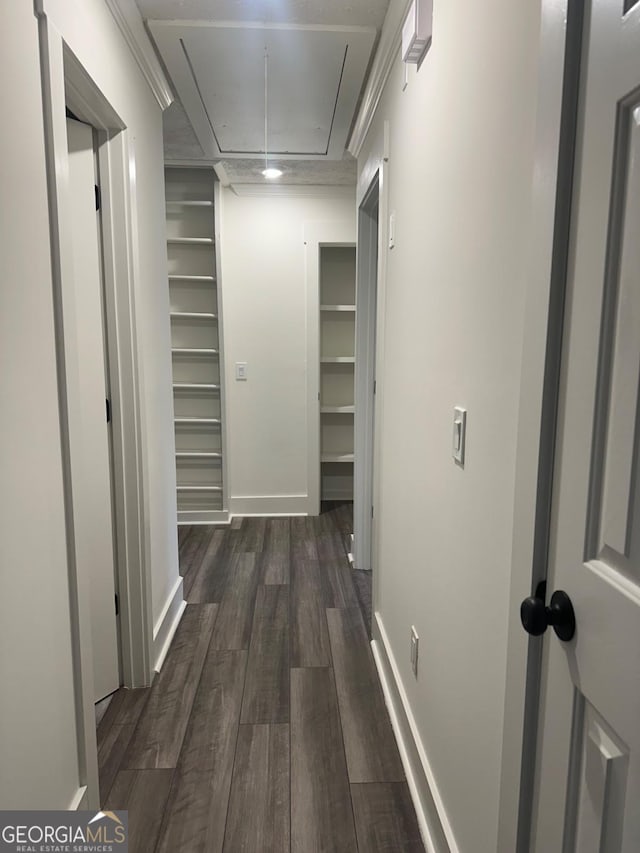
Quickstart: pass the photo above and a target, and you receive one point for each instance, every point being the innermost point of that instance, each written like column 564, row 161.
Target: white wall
column 460, row 175
column 37, row 726
column 264, row 304
column 37, row 716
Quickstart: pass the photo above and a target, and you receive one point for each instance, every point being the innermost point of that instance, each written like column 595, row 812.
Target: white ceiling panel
column 315, row 74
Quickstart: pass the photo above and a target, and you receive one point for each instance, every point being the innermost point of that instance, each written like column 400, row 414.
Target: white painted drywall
column 37, row 718
column 460, row 173
column 264, row 298
column 89, row 29
column 37, row 715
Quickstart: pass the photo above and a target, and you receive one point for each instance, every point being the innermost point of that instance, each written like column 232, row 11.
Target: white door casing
column 94, row 531
column 588, row 783
column 364, row 510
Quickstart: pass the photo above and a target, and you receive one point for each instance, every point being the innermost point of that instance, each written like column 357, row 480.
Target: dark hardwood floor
column 266, row 730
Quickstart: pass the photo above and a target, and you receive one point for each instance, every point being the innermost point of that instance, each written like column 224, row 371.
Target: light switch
column 459, row 434
column 392, row 230
column 241, row 371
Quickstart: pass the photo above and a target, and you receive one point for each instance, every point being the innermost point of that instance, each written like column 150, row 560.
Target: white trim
column 129, row 21
column 221, row 172
column 297, row 190
column 167, row 624
column 386, row 53
column 56, row 154
column 366, row 460
column 224, row 446
column 120, row 252
column 268, row 505
column 523, row 659
column 435, row 828
column 79, row 800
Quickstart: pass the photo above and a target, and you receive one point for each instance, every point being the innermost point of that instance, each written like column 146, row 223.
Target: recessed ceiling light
column 271, row 173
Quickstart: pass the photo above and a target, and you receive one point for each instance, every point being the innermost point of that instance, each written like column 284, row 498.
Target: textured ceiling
column 180, row 142
column 310, row 172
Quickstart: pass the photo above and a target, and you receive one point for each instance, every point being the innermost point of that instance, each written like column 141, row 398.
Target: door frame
column 556, row 127
column 66, row 82
column 375, row 171
column 365, row 467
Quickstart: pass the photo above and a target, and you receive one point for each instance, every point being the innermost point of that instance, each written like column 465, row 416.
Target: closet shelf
column 198, row 454
column 176, row 277
column 337, row 457
column 334, row 308
column 195, row 386
column 192, row 315
column 197, row 421
column 188, row 203
column 337, row 410
column 191, row 241
column 199, row 488
column 194, row 351
column 338, row 359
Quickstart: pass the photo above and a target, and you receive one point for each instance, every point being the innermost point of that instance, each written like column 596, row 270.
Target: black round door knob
column 536, row 616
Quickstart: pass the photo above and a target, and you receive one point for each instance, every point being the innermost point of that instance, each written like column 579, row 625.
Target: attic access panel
column 315, row 77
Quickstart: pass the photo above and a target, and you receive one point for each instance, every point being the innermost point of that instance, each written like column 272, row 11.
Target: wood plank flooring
column 266, row 730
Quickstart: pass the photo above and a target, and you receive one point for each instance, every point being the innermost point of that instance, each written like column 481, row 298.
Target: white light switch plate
column 392, row 230
column 241, row 371
column 459, row 434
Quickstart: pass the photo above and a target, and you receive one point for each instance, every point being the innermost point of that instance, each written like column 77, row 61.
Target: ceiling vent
column 417, row 31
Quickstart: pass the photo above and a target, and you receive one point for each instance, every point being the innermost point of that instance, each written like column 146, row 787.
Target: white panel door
column 94, row 529
column 588, row 786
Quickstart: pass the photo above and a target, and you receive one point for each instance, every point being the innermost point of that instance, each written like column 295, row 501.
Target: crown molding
column 388, row 47
column 129, row 21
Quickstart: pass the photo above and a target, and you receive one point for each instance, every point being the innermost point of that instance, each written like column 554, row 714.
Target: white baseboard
column 269, row 505
column 79, row 800
column 166, row 626
column 435, row 828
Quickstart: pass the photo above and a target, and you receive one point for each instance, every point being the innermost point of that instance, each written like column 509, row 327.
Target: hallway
column 266, row 729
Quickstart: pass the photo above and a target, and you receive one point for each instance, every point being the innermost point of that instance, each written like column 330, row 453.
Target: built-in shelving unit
column 196, row 345
column 337, row 366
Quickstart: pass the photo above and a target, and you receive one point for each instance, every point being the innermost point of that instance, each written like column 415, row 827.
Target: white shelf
column 337, row 410
column 202, row 278
column 338, row 359
column 334, row 308
column 197, row 421
column 188, row 203
column 198, row 454
column 195, row 386
column 192, row 315
column 194, row 351
column 191, row 241
column 337, row 457
column 199, row 489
